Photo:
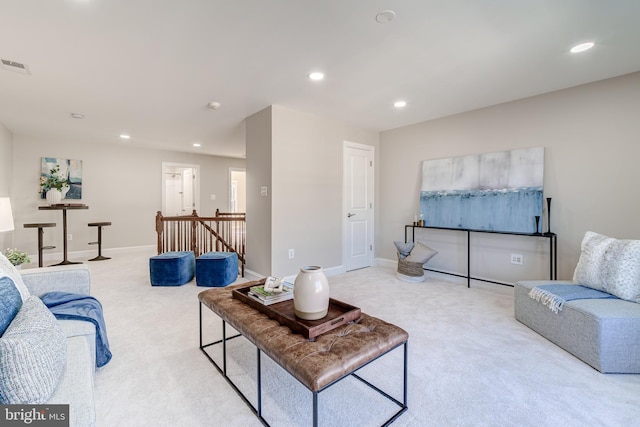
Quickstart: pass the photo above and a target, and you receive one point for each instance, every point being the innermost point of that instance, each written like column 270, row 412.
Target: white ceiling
column 150, row 67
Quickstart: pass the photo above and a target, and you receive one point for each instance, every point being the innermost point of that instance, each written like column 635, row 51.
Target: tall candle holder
column 548, row 215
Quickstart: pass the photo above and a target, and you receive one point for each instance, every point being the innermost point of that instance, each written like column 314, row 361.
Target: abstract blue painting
column 493, row 191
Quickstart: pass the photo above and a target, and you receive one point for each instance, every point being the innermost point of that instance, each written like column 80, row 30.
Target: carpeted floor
column 470, row 362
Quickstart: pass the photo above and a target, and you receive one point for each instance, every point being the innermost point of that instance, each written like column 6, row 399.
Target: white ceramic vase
column 311, row 293
column 54, row 196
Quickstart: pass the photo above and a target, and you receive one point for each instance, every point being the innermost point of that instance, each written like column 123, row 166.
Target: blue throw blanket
column 69, row 306
column 554, row 296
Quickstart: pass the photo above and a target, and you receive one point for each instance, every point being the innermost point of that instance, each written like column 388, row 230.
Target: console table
column 553, row 250
column 64, row 207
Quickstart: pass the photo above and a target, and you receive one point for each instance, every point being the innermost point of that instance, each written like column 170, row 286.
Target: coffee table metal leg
column 224, row 348
column 315, row 409
column 259, row 385
column 258, row 411
column 223, row 369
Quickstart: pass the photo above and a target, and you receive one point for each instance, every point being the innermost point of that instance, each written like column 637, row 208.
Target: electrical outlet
column 292, row 253
column 517, row 259
column 69, row 236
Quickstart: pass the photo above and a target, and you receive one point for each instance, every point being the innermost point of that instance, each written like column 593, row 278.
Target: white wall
column 258, row 134
column 590, row 134
column 6, row 171
column 306, row 188
column 121, row 184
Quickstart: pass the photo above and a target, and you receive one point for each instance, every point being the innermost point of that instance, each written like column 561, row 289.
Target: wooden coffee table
column 317, row 363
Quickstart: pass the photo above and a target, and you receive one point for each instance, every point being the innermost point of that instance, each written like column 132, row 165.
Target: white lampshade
column 6, row 218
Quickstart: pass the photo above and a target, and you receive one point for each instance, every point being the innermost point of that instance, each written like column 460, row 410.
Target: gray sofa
column 75, row 383
column 605, row 333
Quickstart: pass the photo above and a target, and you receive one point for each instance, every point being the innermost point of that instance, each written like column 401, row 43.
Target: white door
column 180, row 189
column 358, row 205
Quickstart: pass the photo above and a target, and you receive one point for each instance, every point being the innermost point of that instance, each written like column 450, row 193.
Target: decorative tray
column 339, row 313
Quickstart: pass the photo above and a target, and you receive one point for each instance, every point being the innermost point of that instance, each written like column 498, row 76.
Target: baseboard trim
column 384, row 262
column 90, row 253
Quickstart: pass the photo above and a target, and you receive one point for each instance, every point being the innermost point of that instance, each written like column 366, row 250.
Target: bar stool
column 40, row 227
column 99, row 242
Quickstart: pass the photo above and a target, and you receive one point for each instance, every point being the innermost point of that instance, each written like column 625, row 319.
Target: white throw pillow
column 420, row 253
column 610, row 265
column 9, row 270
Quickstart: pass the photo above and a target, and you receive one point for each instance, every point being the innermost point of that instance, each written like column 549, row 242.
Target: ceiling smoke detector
column 214, row 105
column 14, row 66
column 385, row 16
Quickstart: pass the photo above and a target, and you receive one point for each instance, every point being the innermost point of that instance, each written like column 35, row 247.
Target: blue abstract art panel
column 494, row 191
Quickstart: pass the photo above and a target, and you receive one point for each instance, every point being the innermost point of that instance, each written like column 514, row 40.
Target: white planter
column 311, row 293
column 54, row 196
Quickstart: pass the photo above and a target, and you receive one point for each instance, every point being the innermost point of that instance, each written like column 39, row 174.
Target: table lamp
column 6, row 218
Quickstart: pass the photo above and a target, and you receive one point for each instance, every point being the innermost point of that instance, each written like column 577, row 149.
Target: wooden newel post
column 159, row 230
column 194, row 245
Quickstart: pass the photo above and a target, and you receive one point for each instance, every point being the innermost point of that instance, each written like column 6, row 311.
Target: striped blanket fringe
column 545, row 297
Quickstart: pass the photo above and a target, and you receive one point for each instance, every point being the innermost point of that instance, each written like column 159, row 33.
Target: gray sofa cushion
column 84, row 329
column 32, row 355
column 76, row 385
column 605, row 333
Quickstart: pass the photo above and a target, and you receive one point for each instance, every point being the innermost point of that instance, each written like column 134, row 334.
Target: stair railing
column 225, row 232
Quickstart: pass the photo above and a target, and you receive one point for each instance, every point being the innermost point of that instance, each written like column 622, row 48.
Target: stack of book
column 266, row 297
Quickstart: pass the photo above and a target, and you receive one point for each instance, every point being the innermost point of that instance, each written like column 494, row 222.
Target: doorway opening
column 180, row 188
column 237, row 190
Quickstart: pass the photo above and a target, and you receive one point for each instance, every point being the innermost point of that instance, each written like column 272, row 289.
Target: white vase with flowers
column 54, row 186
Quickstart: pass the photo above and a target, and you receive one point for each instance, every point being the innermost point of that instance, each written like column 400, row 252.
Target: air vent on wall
column 14, row 66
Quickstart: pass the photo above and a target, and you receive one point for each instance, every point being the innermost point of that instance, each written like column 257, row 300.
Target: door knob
column 349, row 215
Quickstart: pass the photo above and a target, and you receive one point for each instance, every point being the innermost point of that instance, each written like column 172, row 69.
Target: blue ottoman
column 216, row 269
column 172, row 268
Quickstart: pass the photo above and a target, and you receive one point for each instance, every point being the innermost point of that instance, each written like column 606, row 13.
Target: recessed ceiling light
column 195, row 144
column 400, row 104
column 582, row 47
column 385, row 16
column 125, row 136
column 77, row 116
column 316, row 76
